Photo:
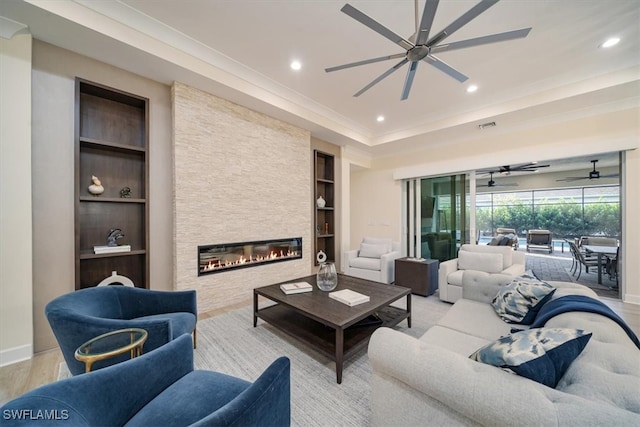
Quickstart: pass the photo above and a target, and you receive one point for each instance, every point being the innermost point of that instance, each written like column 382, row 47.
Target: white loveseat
column 374, row 260
column 432, row 381
column 485, row 258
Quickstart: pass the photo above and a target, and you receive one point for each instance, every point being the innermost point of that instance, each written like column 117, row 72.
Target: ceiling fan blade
column 572, row 178
column 381, row 76
column 365, row 62
column 376, row 26
column 409, row 80
column 428, row 14
column 444, row 67
column 461, row 21
column 493, row 38
column 612, row 175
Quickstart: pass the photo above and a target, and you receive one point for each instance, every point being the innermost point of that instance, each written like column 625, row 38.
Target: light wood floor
column 18, row 378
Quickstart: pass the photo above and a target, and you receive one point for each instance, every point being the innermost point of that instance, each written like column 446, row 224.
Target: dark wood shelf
column 111, row 143
column 99, row 199
column 88, row 254
column 91, row 142
column 325, row 218
column 326, row 181
column 322, row 338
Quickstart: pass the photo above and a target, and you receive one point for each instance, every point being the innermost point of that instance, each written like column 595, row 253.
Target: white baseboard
column 16, row 354
column 632, row 299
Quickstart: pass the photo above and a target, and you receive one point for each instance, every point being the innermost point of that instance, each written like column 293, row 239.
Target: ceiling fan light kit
column 424, row 47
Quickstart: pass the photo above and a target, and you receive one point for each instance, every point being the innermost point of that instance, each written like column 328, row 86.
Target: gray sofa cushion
column 477, row 319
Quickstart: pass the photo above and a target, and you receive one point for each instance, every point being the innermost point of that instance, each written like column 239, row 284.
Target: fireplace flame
column 222, row 264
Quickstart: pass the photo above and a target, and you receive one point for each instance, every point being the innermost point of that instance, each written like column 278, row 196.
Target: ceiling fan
column 593, row 174
column 508, row 169
column 421, row 47
column 491, row 183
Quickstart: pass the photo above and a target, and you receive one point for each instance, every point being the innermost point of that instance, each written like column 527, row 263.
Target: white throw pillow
column 379, row 241
column 487, row 262
column 372, row 251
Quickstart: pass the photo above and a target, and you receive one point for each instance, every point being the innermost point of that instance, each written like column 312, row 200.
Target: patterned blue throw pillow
column 540, row 354
column 520, row 300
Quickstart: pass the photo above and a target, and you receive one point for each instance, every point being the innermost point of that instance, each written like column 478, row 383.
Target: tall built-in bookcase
column 111, row 143
column 325, row 217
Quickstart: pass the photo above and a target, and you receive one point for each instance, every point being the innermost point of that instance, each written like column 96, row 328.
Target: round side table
column 110, row 345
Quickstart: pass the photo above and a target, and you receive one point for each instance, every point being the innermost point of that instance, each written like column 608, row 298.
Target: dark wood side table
column 421, row 276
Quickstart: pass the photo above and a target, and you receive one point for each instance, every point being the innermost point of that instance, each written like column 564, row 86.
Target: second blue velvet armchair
column 82, row 315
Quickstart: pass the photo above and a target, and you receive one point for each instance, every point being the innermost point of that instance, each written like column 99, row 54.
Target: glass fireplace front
column 228, row 256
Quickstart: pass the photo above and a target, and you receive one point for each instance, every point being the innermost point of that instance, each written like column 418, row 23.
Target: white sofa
column 432, row 381
column 374, row 260
column 485, row 258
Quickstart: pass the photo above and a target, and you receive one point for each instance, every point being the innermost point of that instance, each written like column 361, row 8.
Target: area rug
column 229, row 343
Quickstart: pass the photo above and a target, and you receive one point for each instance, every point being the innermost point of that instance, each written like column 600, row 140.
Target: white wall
column 53, row 102
column 16, row 303
column 376, row 192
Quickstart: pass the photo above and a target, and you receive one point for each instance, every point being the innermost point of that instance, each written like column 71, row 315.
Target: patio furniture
column 505, row 237
column 539, row 239
column 581, row 259
column 602, row 252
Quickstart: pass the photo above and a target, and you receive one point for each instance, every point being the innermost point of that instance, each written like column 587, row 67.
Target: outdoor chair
column 581, row 259
column 509, row 235
column 539, row 239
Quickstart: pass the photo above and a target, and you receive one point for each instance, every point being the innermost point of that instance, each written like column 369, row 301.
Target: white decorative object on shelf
column 99, row 250
column 321, row 257
column 96, row 188
column 321, row 202
column 115, row 279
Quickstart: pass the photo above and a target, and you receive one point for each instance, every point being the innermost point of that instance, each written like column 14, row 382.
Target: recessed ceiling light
column 472, row 88
column 296, row 65
column 380, row 119
column 610, row 42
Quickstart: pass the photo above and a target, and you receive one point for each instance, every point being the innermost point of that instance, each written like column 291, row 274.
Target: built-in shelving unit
column 111, row 144
column 325, row 218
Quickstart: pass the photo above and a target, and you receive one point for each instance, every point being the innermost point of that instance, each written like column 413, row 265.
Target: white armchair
column 374, row 260
column 502, row 260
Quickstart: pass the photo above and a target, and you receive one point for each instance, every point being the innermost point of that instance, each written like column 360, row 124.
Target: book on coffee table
column 296, row 288
column 349, row 297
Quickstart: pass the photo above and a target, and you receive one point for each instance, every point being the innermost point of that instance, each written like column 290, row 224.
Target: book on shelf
column 349, row 297
column 99, row 250
column 296, row 288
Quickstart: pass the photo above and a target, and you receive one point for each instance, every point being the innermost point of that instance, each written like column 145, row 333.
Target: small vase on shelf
column 327, row 278
column 321, row 202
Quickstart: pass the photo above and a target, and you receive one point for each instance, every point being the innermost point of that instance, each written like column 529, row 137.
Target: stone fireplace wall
column 239, row 176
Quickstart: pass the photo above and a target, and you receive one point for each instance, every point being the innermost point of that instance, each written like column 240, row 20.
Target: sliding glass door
column 437, row 220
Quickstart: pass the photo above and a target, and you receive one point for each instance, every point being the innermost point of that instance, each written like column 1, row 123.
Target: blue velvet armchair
column 79, row 316
column 159, row 388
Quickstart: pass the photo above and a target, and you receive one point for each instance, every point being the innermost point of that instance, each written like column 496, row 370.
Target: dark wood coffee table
column 327, row 325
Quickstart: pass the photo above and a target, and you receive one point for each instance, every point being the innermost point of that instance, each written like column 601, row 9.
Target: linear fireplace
column 228, row 256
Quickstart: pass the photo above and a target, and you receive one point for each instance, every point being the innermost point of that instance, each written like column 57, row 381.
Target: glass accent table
column 110, row 345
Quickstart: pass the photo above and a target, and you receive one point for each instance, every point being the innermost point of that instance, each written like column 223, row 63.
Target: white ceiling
column 241, row 50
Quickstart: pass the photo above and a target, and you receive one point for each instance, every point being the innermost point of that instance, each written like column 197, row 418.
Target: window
column 566, row 212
